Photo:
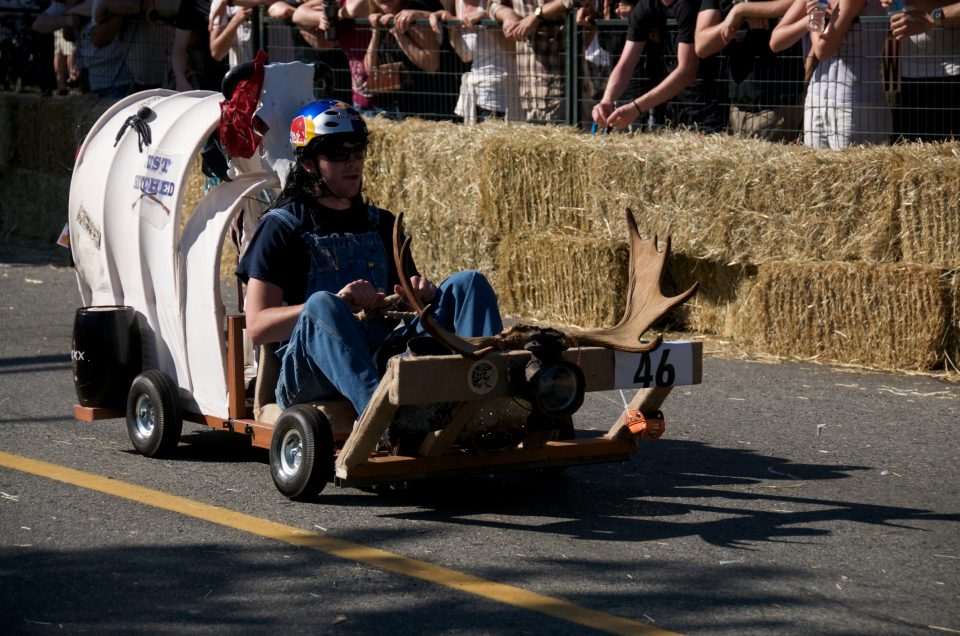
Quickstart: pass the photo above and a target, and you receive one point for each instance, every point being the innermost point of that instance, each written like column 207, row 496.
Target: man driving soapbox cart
column 448, row 405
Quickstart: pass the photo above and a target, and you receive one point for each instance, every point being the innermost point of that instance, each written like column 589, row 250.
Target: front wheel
column 154, row 419
column 301, row 453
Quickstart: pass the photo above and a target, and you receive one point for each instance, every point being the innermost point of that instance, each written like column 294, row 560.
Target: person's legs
column 467, row 305
column 328, row 355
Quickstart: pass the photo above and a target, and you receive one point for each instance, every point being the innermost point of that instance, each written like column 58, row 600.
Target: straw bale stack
column 563, row 279
column 930, row 213
column 745, row 201
column 883, row 315
column 716, row 305
column 8, row 108
column 50, row 130
column 952, row 340
column 33, row 205
column 429, row 172
column 533, row 178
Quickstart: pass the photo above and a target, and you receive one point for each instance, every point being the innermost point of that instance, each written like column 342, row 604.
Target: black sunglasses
column 343, row 154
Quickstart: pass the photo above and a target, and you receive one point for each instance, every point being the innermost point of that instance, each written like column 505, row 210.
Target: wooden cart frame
column 469, row 383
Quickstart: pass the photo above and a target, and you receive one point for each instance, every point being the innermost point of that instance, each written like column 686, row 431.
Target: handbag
column 384, row 78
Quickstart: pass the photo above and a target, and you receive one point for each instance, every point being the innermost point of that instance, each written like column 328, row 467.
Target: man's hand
column 280, row 10
column 601, row 112
column 523, row 29
column 423, row 289
column 623, row 116
column 623, row 10
column 910, row 22
column 360, row 294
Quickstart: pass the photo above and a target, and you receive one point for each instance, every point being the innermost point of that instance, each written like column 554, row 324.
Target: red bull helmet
column 319, row 121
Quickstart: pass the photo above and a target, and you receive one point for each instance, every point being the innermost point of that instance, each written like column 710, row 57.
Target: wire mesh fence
column 879, row 88
column 874, row 89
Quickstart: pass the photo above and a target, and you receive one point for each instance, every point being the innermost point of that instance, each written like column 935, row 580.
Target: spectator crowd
column 820, row 71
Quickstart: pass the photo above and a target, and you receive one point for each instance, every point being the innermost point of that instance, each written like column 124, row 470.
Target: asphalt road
column 784, row 498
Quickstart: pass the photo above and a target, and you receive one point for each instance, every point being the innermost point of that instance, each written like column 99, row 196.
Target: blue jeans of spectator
column 331, row 353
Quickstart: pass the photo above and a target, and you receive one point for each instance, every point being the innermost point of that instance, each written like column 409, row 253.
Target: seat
column 339, row 412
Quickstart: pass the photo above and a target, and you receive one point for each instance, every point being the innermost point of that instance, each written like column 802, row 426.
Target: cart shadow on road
column 729, row 498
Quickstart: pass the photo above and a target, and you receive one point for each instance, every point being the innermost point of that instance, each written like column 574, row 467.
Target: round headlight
column 557, row 389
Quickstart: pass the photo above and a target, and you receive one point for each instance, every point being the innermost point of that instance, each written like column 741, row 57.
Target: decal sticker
column 155, row 181
column 482, row 377
column 84, row 221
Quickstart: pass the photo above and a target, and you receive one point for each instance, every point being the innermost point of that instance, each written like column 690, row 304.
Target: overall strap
column 373, row 215
column 286, row 217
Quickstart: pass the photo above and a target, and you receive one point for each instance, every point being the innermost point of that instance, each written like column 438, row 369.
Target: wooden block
column 372, row 425
column 439, row 442
column 93, row 413
column 403, row 468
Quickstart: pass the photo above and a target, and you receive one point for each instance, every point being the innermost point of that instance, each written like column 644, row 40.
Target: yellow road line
column 499, row 592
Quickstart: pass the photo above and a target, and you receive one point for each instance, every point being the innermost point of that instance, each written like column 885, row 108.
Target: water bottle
column 897, row 6
column 818, row 17
column 331, row 9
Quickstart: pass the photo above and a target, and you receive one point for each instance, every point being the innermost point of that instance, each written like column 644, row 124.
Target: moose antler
column 645, row 305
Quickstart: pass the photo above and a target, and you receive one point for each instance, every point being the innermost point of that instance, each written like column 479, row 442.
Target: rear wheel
column 154, row 419
column 301, row 453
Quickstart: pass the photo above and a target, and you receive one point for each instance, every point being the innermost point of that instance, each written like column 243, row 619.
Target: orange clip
column 648, row 427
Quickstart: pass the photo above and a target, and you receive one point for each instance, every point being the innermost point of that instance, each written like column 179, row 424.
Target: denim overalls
column 330, row 352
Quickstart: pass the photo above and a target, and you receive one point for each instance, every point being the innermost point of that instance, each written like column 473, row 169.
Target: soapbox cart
column 153, row 342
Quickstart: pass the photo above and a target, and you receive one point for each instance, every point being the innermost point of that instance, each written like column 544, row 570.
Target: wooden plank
column 236, row 388
column 421, row 380
column 404, row 468
column 93, row 413
column 258, row 432
column 439, row 442
column 372, row 425
column 646, row 401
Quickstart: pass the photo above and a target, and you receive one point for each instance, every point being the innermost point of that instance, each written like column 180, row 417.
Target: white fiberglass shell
column 124, row 217
column 124, row 220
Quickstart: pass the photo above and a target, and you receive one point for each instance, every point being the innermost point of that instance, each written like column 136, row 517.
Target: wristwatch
column 539, row 12
column 937, row 17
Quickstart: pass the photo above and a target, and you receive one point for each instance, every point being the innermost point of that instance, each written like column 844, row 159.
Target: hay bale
column 951, row 344
column 714, row 308
column 49, row 130
column 33, row 205
column 930, row 210
column 745, row 201
column 562, row 279
column 881, row 315
column 8, row 140
column 533, row 178
column 429, row 172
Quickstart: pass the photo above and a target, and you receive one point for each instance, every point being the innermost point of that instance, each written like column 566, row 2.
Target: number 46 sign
column 673, row 363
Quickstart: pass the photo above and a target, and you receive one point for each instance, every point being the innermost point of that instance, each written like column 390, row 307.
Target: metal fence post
column 572, row 92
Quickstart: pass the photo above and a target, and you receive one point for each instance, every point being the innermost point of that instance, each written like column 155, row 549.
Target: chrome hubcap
column 145, row 421
column 291, row 453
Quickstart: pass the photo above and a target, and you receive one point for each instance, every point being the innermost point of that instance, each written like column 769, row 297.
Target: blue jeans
column 331, row 353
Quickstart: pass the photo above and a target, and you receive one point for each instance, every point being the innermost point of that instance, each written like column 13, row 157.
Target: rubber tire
column 159, row 436
column 304, row 477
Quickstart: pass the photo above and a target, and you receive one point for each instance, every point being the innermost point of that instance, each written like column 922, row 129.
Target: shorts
column 61, row 45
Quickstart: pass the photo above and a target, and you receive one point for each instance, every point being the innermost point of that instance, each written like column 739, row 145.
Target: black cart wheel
column 154, row 420
column 301, row 453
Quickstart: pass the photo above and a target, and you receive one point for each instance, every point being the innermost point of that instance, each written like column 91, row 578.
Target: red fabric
column 236, row 114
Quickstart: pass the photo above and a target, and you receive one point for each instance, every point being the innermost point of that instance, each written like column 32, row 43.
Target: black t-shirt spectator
column 649, row 15
column 203, row 71
column 699, row 104
column 758, row 76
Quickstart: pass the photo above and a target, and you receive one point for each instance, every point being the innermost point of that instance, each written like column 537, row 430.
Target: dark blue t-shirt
column 278, row 255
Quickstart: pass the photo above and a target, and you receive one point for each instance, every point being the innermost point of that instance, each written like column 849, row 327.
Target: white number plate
column 672, row 363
